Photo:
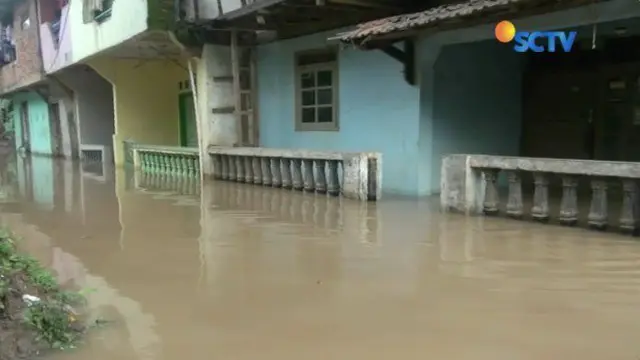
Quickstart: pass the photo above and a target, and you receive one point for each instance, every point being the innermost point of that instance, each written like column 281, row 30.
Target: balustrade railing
column 470, row 184
column 166, row 159
column 164, row 182
column 353, row 175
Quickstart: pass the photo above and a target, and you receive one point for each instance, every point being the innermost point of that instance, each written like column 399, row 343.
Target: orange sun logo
column 505, row 31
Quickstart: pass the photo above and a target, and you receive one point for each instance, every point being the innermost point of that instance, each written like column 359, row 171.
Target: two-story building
column 86, row 75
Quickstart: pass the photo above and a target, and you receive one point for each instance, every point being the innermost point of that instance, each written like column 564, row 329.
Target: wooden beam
column 406, row 57
column 247, row 10
column 367, row 3
column 235, row 72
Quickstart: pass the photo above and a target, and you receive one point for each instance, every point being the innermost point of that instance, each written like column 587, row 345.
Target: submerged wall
column 377, row 109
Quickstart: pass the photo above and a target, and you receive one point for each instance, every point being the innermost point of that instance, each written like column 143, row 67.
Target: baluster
column 156, row 162
column 333, row 181
column 184, row 165
column 217, row 167
column 569, row 202
column 320, row 176
column 256, row 162
column 173, row 167
column 540, row 209
column 166, row 159
column 165, row 163
column 276, row 173
column 514, row 202
column 149, row 161
column 285, row 173
column 296, row 174
column 265, row 163
column 177, row 164
column 491, row 200
column 248, row 170
column 180, row 164
column 228, row 168
column 307, row 175
column 598, row 216
column 239, row 168
column 173, row 164
column 186, row 169
column 143, row 164
column 196, row 164
column 629, row 213
column 152, row 162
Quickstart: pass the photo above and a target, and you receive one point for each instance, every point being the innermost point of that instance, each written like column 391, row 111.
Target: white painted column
column 214, row 86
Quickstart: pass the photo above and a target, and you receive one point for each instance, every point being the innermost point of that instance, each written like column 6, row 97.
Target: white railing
column 470, row 184
column 353, row 175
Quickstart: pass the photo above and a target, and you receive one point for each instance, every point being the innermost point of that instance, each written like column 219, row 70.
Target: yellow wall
column 145, row 100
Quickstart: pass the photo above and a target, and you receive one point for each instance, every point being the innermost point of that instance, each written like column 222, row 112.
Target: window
column 96, row 10
column 317, row 90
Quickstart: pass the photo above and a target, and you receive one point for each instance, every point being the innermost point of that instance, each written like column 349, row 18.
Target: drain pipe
column 192, row 83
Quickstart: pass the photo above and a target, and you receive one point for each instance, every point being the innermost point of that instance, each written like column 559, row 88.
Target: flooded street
column 232, row 271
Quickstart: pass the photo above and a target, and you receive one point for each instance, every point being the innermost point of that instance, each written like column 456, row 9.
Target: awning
column 451, row 16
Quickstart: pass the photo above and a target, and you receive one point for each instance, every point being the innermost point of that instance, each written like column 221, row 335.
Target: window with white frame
column 317, row 90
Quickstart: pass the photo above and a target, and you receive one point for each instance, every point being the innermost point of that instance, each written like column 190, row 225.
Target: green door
column 188, row 125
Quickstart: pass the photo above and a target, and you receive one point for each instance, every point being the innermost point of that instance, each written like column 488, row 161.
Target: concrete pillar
column 214, row 87
column 429, row 176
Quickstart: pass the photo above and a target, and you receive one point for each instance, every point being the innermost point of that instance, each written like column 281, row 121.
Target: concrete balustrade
column 352, row 175
column 178, row 184
column 469, row 184
column 171, row 160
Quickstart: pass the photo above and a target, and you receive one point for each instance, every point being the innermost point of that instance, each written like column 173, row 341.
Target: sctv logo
column 536, row 41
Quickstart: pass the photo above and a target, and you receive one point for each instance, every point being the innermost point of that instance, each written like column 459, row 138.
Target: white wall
column 128, row 19
column 208, row 9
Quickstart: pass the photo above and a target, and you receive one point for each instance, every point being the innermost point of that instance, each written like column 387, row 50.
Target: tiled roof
column 425, row 18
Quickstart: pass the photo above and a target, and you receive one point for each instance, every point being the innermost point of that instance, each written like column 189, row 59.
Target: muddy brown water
column 233, row 271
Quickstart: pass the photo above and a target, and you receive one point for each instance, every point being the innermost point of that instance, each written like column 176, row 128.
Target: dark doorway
column 24, row 119
column 56, row 131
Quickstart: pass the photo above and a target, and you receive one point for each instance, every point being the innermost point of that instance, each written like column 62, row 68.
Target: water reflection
column 243, row 272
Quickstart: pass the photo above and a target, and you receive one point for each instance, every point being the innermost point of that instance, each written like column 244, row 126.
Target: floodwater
column 233, row 271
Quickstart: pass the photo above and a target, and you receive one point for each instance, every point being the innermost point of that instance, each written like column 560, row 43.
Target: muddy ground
column 36, row 315
column 17, row 339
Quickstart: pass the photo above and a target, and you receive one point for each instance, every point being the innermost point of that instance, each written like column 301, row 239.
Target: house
column 103, row 71
column 421, row 85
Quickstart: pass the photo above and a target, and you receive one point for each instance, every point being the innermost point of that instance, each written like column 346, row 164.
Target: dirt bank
column 36, row 315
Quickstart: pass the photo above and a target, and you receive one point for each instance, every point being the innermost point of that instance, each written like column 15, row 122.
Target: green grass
column 50, row 318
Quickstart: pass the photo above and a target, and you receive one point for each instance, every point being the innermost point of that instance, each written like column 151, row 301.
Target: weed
column 52, row 317
column 53, row 324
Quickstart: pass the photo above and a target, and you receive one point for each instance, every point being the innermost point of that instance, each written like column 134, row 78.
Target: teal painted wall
column 378, row 110
column 477, row 103
column 43, row 182
column 39, row 129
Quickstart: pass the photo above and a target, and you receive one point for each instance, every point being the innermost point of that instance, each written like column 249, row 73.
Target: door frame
column 182, row 108
column 56, row 128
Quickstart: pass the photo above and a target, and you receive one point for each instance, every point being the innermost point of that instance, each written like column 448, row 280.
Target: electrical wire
column 60, row 37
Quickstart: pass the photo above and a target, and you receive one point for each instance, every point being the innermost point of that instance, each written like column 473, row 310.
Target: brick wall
column 27, row 69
